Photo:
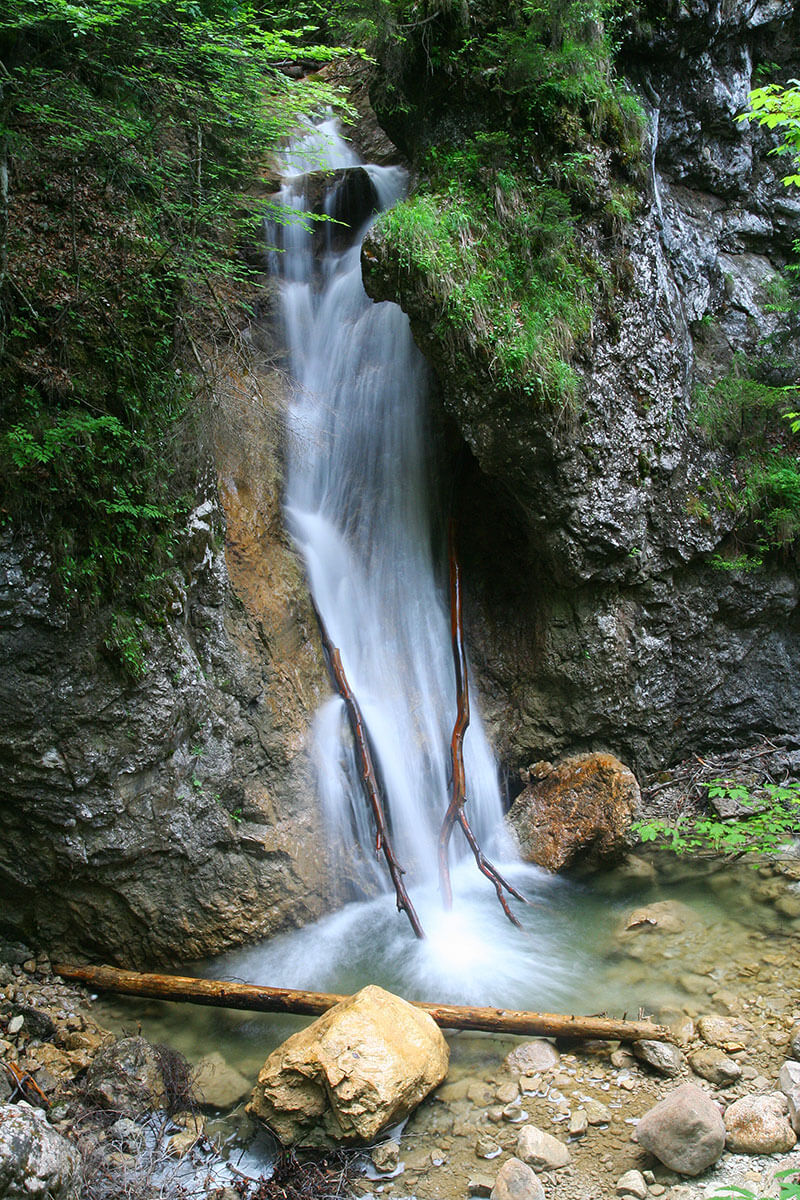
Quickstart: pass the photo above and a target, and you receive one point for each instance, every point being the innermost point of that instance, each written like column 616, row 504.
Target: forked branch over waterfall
column 455, row 809
column 369, row 778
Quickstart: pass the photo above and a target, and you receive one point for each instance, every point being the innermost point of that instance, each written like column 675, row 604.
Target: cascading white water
column 360, row 493
column 360, row 483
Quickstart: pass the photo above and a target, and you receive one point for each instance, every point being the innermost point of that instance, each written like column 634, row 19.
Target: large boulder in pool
column 364, row 1065
column 577, row 813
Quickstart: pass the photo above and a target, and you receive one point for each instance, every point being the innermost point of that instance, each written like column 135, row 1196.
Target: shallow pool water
column 731, row 927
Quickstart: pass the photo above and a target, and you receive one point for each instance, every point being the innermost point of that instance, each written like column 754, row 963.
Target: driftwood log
column 253, row 998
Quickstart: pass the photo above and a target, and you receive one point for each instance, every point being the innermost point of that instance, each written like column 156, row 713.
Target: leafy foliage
column 133, row 130
column 788, row 1181
column 748, row 416
column 493, row 228
column 503, row 268
column 775, row 820
column 777, row 107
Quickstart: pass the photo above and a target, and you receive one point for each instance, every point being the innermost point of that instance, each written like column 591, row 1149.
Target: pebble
column 485, row 1147
column 632, row 1183
column 712, row 1064
column 578, row 1123
column 541, row 1150
column 725, row 1032
column 181, row 1143
column 516, row 1181
column 481, row 1094
column 507, row 1092
column 661, row 1056
column 596, row 1112
column 386, row 1156
column 15, row 1024
column 794, row 1042
column 480, row 1185
column 533, row 1057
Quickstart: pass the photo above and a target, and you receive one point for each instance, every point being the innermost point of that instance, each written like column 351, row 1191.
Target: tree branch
column 369, row 778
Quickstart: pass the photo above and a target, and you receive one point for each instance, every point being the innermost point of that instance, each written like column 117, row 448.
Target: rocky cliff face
column 595, row 617
column 171, row 817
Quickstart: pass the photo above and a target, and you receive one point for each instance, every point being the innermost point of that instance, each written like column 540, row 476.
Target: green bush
column 133, row 130
column 749, row 418
column 775, row 820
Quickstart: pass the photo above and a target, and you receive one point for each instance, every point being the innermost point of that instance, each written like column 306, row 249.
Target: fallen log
column 222, row 993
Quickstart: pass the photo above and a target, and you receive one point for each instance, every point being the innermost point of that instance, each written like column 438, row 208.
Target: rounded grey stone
column 685, row 1130
column 35, row 1160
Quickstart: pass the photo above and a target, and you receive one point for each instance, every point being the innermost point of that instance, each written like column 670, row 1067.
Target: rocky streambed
column 112, row 1111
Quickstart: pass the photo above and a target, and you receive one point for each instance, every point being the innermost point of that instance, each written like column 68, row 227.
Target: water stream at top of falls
column 360, row 488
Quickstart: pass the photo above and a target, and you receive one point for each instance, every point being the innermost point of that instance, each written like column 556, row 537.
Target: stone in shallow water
column 386, row 1157
column 486, row 1147
column 480, row 1093
column 516, row 1181
column 217, row 1084
column 541, row 1150
column 578, row 812
column 685, row 1130
column 532, row 1057
column 759, row 1125
column 126, row 1077
column 362, row 1066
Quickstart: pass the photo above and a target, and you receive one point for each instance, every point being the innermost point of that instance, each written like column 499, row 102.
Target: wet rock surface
column 35, row 1160
column 576, row 813
column 170, row 815
column 612, row 630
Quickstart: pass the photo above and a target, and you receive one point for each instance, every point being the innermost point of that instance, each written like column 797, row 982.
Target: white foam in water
column 472, row 955
column 360, row 489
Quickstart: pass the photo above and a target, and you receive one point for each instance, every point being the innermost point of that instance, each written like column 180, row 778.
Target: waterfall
column 366, row 511
column 361, row 504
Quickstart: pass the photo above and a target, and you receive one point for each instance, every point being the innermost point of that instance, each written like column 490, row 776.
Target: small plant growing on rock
column 773, row 820
column 789, row 1188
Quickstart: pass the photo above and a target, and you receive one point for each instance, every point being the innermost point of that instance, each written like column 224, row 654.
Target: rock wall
column 171, row 817
column 594, row 617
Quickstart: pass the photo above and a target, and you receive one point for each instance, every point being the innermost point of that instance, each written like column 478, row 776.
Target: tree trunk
column 253, row 998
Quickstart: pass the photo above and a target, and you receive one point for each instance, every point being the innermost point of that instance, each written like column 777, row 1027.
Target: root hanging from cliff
column 369, row 778
column 455, row 809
